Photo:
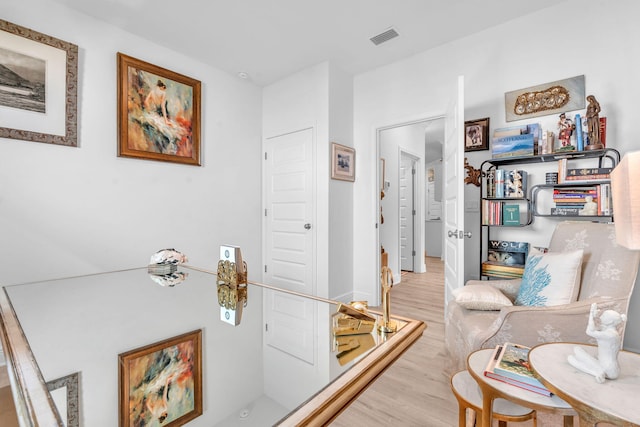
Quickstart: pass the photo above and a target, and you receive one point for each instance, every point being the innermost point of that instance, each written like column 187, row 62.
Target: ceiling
column 271, row 39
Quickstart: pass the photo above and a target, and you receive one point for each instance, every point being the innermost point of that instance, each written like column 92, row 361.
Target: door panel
column 407, row 212
column 454, row 192
column 289, row 208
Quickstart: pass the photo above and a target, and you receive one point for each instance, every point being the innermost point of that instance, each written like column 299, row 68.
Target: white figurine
column 606, row 364
column 590, row 207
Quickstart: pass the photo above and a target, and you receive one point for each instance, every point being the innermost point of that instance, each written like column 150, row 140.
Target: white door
column 290, row 320
column 453, row 193
column 289, row 231
column 407, row 211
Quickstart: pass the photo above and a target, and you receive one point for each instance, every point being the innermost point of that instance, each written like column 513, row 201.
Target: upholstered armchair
column 608, row 274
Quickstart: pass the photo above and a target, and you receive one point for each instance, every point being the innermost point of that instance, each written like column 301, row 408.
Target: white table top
column 477, row 362
column 617, row 398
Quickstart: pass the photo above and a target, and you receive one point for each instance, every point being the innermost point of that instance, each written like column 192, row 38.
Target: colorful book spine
column 499, row 183
column 603, row 131
column 579, row 140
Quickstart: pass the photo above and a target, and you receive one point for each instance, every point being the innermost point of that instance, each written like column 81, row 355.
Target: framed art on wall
column 38, row 86
column 343, row 162
column 476, row 135
column 161, row 382
column 545, row 99
column 158, row 113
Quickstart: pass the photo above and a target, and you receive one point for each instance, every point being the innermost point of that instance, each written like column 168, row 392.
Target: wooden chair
column 468, row 394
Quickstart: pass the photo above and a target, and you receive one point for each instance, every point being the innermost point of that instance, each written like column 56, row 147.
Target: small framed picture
column 158, row 113
column 343, row 162
column 161, row 383
column 476, row 135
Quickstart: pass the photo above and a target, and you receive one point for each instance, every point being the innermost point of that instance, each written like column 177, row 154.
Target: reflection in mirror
column 408, row 231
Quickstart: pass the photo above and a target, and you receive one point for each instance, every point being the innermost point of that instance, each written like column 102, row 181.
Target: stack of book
column 510, row 364
column 570, row 175
column 495, row 269
column 570, row 201
column 505, row 259
column 588, row 174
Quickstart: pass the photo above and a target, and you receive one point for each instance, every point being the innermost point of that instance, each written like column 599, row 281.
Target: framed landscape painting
column 38, row 86
column 161, row 383
column 158, row 113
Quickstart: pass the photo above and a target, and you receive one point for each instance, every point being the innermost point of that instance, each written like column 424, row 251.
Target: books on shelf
column 515, row 183
column 588, row 174
column 500, row 212
column 510, row 214
column 501, row 183
column 500, row 270
column 507, row 252
column 569, row 201
column 603, row 131
column 510, row 364
column 499, row 178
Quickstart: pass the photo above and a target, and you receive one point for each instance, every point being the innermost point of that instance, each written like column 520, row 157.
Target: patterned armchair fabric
column 608, row 275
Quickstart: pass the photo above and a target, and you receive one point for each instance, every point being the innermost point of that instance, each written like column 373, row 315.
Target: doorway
column 421, row 141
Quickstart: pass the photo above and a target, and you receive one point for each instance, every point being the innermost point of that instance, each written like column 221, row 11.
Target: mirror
column 410, row 223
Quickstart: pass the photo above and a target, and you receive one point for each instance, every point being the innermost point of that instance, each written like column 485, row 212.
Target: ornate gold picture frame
column 158, row 113
column 38, row 86
column 161, row 383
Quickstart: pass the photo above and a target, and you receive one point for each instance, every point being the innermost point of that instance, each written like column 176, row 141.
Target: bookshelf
column 529, row 205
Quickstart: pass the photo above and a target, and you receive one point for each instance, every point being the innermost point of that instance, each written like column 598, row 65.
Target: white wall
column 340, row 192
column 591, row 37
column 69, row 211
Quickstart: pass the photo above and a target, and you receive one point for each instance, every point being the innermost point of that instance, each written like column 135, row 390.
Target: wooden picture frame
column 476, row 135
column 161, row 381
column 158, row 113
column 343, row 162
column 39, row 91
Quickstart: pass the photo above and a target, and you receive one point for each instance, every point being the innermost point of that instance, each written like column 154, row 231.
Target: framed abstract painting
column 158, row 113
column 161, row 383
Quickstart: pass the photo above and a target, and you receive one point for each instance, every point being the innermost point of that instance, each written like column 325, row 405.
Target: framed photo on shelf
column 39, row 86
column 343, row 162
column 161, row 382
column 476, row 135
column 158, row 113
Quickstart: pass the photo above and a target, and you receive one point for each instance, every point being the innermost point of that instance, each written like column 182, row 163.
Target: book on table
column 510, row 364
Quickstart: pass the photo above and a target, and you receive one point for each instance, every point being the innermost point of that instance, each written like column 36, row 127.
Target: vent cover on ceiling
column 384, row 36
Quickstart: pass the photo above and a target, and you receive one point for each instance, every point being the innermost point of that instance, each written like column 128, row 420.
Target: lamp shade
column 625, row 186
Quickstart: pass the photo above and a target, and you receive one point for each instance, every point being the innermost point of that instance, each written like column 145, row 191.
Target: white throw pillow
column 481, row 297
column 551, row 278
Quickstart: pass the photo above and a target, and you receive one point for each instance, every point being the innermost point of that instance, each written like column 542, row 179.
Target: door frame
column 376, row 190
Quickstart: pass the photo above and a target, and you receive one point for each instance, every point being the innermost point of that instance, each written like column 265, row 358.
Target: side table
column 493, row 389
column 614, row 401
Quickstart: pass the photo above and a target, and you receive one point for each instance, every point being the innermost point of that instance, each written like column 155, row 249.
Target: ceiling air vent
column 384, row 36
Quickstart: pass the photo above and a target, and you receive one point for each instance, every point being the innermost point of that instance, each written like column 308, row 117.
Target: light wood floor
column 415, row 391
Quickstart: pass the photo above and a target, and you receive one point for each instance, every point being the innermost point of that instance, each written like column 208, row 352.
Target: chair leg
column 462, row 416
column 502, row 423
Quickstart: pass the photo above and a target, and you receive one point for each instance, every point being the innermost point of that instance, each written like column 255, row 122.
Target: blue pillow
column 551, row 278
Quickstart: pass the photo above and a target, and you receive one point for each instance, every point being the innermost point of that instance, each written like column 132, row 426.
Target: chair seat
column 468, row 394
